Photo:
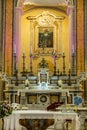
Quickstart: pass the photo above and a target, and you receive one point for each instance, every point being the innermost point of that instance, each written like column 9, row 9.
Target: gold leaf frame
column 45, row 37
column 51, row 29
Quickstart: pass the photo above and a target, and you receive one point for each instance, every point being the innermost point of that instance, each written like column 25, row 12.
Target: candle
column 26, row 66
column 30, row 48
column 72, row 48
column 69, row 66
column 16, row 66
column 63, row 47
column 58, row 66
column 14, row 48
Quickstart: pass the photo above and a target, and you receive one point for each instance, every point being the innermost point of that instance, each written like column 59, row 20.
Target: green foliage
column 5, row 109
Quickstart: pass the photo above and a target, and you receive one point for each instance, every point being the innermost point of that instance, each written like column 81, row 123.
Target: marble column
column 2, row 42
column 3, row 34
column 60, row 48
column 31, row 33
column 17, row 32
column 86, row 47
column 71, row 37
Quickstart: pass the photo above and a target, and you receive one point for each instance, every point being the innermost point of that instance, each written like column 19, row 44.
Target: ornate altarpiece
column 42, row 25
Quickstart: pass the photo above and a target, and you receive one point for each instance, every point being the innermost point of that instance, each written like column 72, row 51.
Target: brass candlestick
column 15, row 64
column 64, row 72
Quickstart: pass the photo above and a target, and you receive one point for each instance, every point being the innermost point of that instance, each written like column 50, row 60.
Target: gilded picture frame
column 45, row 37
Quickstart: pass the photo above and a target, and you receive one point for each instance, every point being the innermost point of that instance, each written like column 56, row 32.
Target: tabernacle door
column 43, row 75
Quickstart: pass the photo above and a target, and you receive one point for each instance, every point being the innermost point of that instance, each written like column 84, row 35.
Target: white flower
column 60, row 82
column 27, row 82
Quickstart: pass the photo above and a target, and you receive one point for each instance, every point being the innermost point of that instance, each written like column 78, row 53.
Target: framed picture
column 45, row 37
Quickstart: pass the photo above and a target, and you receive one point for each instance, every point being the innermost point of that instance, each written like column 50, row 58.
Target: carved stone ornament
column 46, row 19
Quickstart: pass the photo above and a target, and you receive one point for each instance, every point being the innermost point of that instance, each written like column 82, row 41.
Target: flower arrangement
column 27, row 83
column 5, row 109
column 60, row 83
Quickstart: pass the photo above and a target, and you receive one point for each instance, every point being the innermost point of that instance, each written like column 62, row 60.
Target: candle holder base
column 31, row 74
column 25, row 73
column 64, row 74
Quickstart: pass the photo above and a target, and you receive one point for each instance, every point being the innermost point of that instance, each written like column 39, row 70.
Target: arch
column 20, row 3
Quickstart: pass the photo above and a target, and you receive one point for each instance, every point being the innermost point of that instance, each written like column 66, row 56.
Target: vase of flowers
column 60, row 83
column 27, row 83
column 5, row 110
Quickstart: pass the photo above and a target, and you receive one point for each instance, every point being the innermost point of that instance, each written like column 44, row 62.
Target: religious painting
column 45, row 36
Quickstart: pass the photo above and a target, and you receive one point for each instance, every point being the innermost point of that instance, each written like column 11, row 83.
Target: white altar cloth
column 12, row 122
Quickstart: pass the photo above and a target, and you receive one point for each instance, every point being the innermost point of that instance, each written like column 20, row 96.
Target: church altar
column 12, row 122
column 42, row 91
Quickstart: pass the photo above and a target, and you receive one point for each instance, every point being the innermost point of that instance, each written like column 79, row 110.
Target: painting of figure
column 45, row 37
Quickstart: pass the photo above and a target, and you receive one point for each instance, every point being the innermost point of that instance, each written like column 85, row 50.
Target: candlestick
column 23, row 62
column 58, row 74
column 54, row 57
column 64, row 63
column 14, row 48
column 73, row 64
column 15, row 64
column 69, row 79
column 31, row 57
column 16, row 82
column 23, row 72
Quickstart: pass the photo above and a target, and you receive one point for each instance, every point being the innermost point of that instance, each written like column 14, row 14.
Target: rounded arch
column 20, row 3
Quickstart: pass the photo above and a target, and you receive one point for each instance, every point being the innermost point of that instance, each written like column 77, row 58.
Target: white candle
column 72, row 48
column 30, row 48
column 14, row 48
column 69, row 66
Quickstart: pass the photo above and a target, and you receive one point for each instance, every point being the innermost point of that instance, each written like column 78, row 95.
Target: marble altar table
column 42, row 91
column 12, row 122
